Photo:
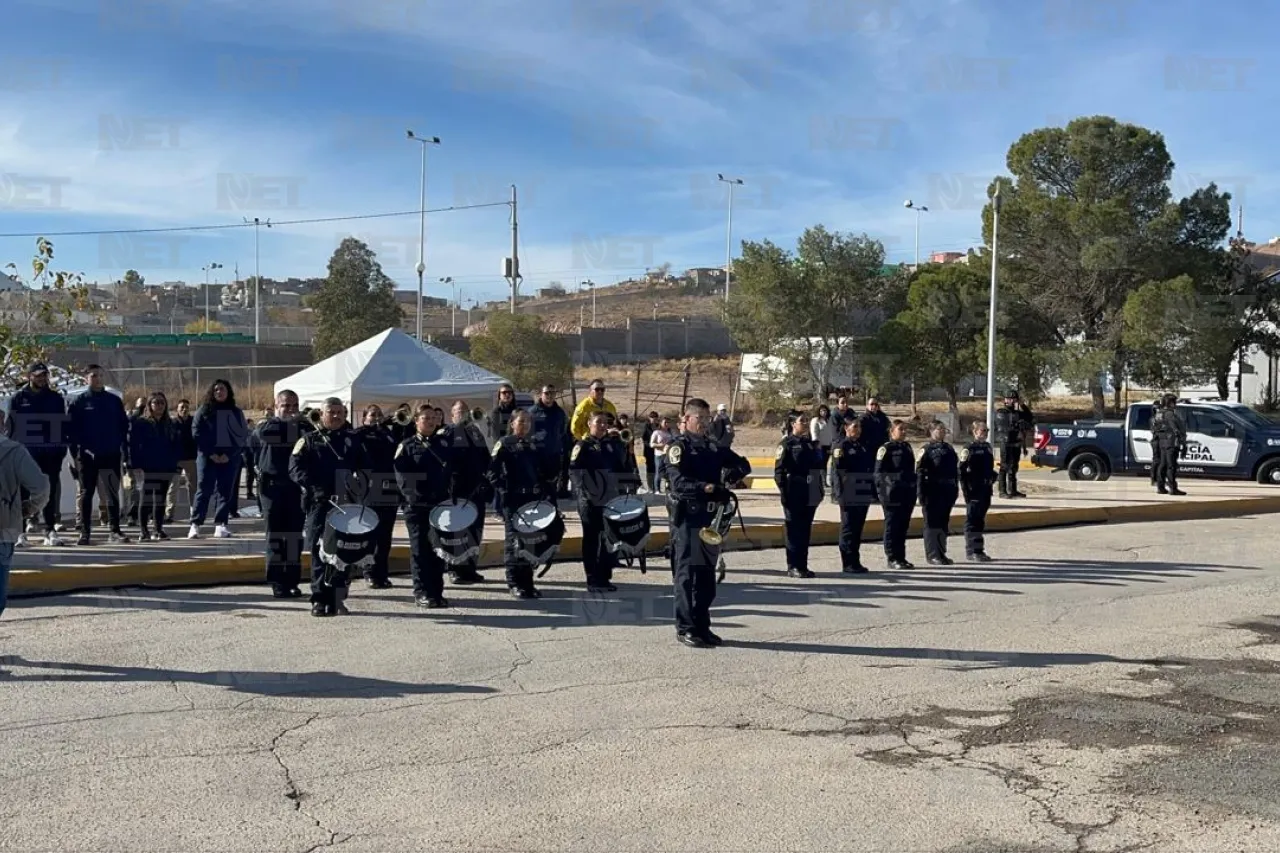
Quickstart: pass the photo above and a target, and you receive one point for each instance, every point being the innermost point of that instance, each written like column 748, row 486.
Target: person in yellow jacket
column 592, row 403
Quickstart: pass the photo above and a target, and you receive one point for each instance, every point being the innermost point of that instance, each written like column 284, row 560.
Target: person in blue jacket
column 38, row 421
column 98, row 430
column 220, row 433
column 551, row 438
column 154, row 448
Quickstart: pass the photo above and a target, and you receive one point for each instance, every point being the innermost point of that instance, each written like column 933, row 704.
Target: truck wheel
column 1086, row 466
column 1269, row 473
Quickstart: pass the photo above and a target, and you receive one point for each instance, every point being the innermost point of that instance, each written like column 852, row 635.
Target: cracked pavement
column 1098, row 689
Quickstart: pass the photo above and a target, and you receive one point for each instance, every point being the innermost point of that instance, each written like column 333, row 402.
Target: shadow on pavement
column 964, row 658
column 317, row 684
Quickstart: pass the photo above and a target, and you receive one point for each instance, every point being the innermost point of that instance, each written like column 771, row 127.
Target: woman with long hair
column 220, row 433
column 154, row 448
column 822, row 432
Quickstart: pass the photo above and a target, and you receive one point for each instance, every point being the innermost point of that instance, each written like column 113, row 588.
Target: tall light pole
column 422, row 218
column 910, row 205
column 591, row 284
column 728, row 238
column 257, row 278
column 453, row 313
column 206, row 268
column 991, row 321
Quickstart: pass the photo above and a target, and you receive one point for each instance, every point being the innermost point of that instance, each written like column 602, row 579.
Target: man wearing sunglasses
column 500, row 415
column 594, row 402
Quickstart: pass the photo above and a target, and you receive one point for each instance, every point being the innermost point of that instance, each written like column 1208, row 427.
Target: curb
column 764, row 482
column 216, row 571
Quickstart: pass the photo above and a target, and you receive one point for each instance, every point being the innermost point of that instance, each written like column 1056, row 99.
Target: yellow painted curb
column 250, row 569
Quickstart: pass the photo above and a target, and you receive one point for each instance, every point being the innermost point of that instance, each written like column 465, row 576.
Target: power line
column 274, row 224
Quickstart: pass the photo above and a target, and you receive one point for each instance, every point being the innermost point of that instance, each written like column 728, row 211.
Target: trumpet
column 715, row 533
column 402, row 417
column 477, row 414
column 623, row 435
column 314, row 416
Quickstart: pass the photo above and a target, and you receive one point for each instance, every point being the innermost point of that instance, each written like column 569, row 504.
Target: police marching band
column 335, row 490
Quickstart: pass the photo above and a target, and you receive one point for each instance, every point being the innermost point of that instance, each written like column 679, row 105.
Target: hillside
column 615, row 303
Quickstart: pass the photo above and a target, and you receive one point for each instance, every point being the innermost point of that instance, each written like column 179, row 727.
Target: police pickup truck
column 1225, row 441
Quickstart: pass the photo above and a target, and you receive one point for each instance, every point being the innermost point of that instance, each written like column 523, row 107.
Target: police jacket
column 517, row 472
column 187, row 440
column 470, row 455
column 1013, row 423
column 875, row 430
column 38, row 421
column 154, row 446
column 271, row 445
column 721, row 430
column 500, row 420
column 852, row 468
column 219, row 429
column 424, row 467
column 693, row 463
column 597, row 468
column 977, row 471
column 798, row 470
column 938, row 473
column 550, row 429
column 97, row 424
column 380, row 453
column 325, row 463
column 1168, row 430
column 895, row 474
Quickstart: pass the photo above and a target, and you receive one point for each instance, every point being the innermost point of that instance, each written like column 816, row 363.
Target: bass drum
column 450, row 531
column 539, row 529
column 626, row 525
column 349, row 541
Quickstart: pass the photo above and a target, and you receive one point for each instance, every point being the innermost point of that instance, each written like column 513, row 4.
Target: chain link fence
column 254, row 385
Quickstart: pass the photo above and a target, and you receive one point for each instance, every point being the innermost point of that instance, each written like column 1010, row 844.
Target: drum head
column 454, row 516
column 352, row 519
column 534, row 517
column 624, row 508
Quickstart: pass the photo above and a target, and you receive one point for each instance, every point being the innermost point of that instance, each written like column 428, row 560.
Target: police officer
column 384, row 496
column 895, row 478
column 324, row 463
column 1169, row 440
column 424, row 473
column 977, row 476
column 271, row 445
column 38, row 421
column 500, row 415
column 852, row 486
column 797, row 471
column 938, row 478
column 1014, row 422
column 470, row 456
column 516, row 473
column 595, row 467
column 697, row 469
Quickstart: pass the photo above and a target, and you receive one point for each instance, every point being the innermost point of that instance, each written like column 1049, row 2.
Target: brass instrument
column 623, row 435
column 402, row 417
column 477, row 414
column 314, row 415
column 715, row 533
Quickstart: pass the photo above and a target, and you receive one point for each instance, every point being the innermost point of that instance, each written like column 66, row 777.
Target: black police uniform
column 470, row 457
column 323, row 464
column 424, row 467
column 977, row 476
column 797, row 471
column 895, row 477
column 938, row 478
column 694, row 462
column 1011, row 428
column 517, row 476
column 595, row 468
column 38, row 421
column 271, row 445
column 853, row 487
column 1168, row 439
column 383, row 498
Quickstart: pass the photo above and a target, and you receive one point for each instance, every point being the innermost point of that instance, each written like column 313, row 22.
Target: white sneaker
column 194, row 532
column 23, row 541
column 222, row 532
column 53, row 540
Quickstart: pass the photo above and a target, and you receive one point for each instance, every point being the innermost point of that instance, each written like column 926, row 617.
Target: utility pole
column 728, row 237
column 257, row 278
column 991, row 321
column 206, row 268
column 421, row 268
column 511, row 269
column 453, row 313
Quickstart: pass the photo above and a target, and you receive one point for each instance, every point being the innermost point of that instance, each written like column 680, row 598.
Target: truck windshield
column 1252, row 418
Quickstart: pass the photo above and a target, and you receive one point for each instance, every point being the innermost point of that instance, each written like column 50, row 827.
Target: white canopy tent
column 392, row 368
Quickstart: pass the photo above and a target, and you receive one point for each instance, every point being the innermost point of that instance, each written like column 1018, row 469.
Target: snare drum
column 626, row 525
column 539, row 528
column 451, row 532
column 349, row 541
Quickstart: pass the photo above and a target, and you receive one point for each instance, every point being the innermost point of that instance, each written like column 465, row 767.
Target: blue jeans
column 214, row 479
column 6, row 560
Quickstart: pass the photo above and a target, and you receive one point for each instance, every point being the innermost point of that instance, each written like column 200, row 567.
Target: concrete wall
column 187, row 371
column 646, row 340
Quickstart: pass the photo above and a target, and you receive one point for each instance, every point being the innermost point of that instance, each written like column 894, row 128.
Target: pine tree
column 356, row 301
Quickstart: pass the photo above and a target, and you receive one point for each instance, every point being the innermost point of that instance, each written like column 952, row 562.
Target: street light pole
column 592, row 285
column 728, row 237
column 206, row 268
column 422, row 218
column 991, row 321
column 257, row 278
column 910, row 205
column 453, row 312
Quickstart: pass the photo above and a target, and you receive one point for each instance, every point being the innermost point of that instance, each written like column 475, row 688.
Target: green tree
column 356, row 301
column 810, row 306
column 516, row 347
column 39, row 309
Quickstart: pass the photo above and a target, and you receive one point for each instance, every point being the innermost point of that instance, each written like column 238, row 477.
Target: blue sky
column 612, row 117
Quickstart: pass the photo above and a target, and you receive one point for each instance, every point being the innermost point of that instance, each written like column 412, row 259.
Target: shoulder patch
column 297, row 447
column 673, row 454
column 497, row 446
column 880, row 452
column 839, row 451
column 781, row 450
column 442, row 431
column 399, row 451
column 577, row 450
column 964, row 454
